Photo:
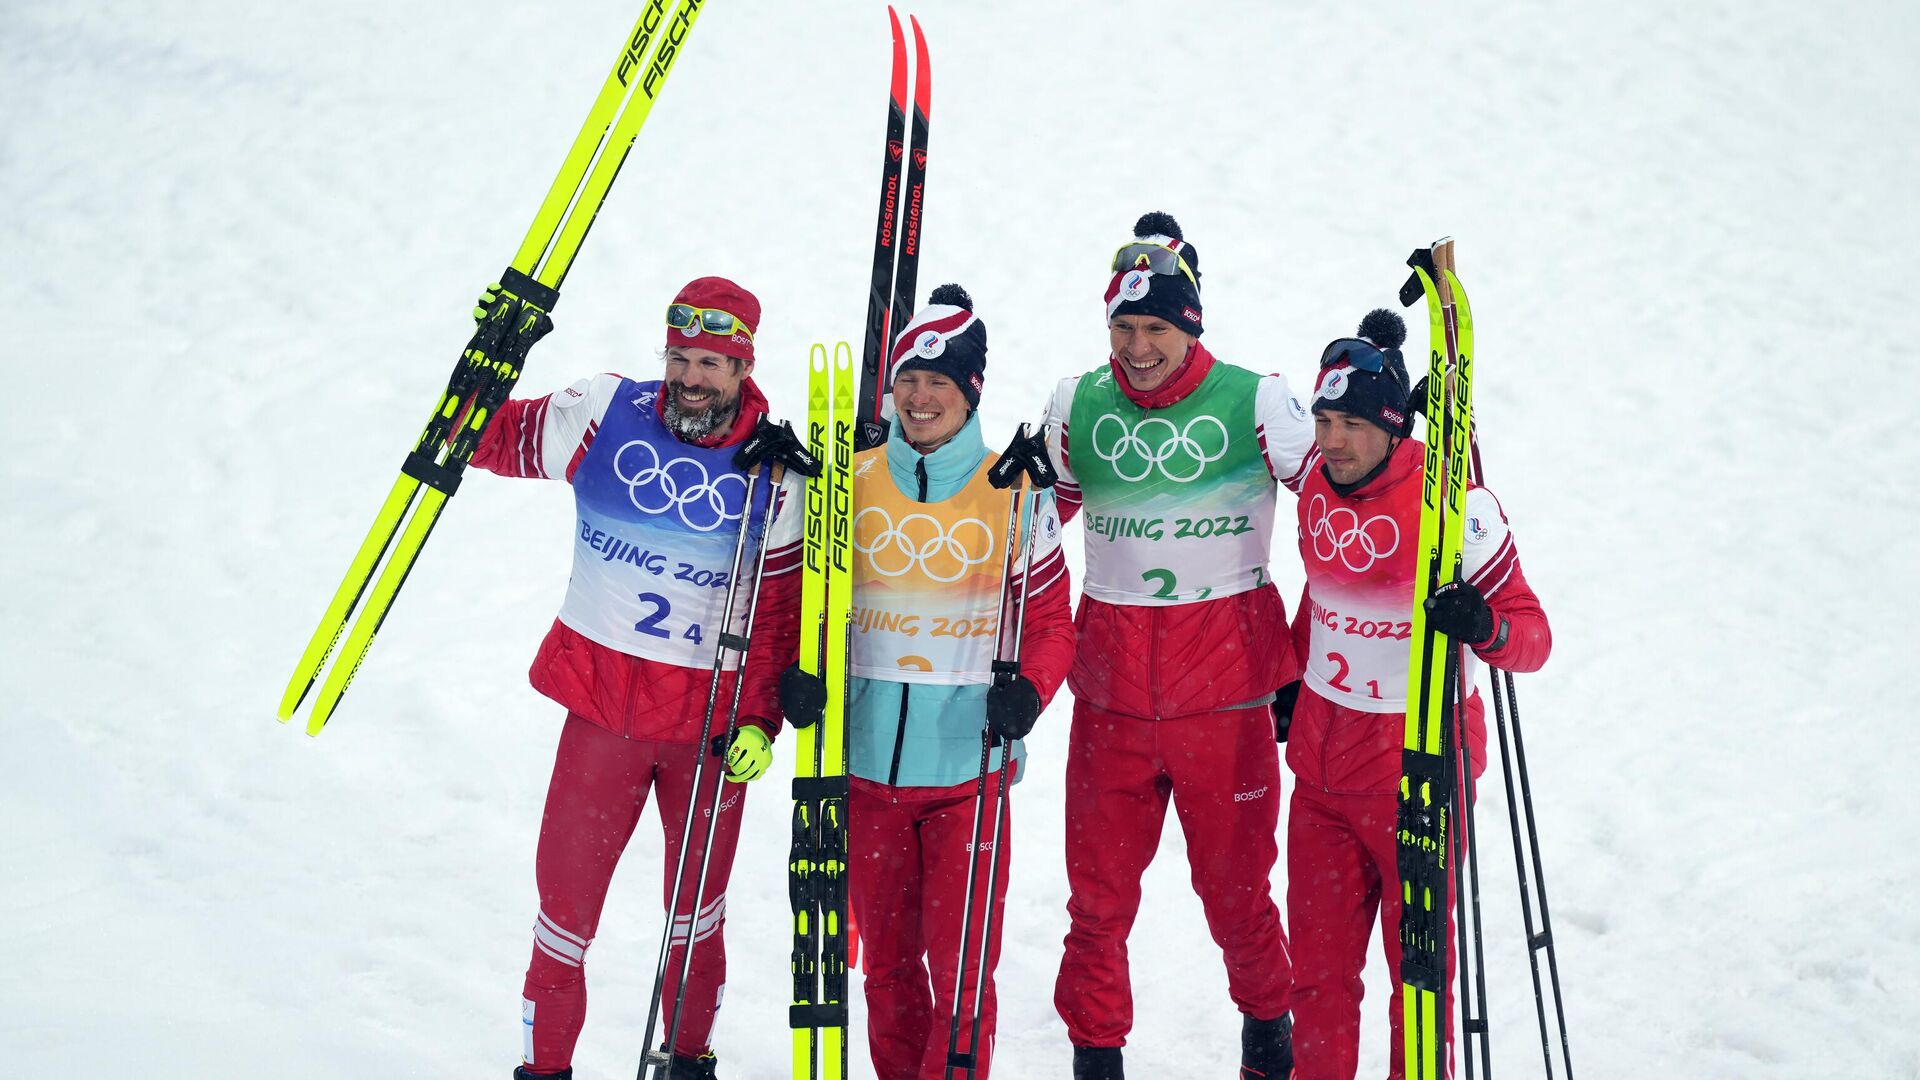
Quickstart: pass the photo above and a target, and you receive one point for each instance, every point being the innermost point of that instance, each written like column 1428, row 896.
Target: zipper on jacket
column 899, row 737
column 906, row 689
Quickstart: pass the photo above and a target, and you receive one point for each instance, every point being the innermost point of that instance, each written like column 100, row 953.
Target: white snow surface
column 242, row 241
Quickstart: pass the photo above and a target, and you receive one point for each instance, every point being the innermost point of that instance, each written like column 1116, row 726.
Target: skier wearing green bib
column 1174, row 460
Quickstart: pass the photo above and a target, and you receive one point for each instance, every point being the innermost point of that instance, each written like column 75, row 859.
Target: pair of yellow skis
column 1431, row 756
column 512, row 317
column 817, row 859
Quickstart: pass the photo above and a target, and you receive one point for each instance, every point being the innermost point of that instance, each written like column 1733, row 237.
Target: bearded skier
column 1175, row 460
column 1359, row 515
column 659, row 505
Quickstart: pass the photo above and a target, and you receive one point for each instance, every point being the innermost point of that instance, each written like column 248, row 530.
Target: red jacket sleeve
column 1046, row 641
column 511, row 443
column 776, row 640
column 1529, row 638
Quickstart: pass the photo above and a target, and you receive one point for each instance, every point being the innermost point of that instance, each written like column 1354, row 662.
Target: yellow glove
column 749, row 754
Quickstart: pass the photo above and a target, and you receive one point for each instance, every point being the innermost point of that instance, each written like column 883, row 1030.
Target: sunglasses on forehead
column 1158, row 258
column 711, row 320
column 1359, row 352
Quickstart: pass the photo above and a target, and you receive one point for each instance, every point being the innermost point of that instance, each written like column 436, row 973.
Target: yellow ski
column 513, row 316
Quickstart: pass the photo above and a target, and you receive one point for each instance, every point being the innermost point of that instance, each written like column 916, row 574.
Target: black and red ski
column 896, row 244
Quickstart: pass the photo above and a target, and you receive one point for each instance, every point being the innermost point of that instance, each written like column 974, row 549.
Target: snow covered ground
column 241, row 242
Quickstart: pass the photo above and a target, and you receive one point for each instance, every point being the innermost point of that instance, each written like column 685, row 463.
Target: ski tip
column 290, row 701
column 923, row 88
column 899, row 62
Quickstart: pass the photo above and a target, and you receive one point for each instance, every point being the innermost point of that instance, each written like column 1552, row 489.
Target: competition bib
column 926, row 578
column 1177, row 502
column 1360, row 556
column 653, row 545
column 1360, row 562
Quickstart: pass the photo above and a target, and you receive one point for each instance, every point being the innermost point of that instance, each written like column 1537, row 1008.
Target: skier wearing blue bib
column 658, row 507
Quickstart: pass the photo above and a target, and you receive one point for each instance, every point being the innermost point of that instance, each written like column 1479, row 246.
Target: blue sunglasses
column 1359, row 352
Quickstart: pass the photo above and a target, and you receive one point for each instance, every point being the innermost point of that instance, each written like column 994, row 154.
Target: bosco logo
column 920, row 541
column 1340, row 534
column 1180, row 454
column 681, row 485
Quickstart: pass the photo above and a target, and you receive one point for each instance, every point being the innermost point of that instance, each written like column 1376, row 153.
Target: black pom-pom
column 1384, row 328
column 952, row 296
column 1157, row 223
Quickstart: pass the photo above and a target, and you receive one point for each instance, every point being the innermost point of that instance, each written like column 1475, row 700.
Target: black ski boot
column 1097, row 1063
column 1266, row 1048
column 524, row 1073
column 700, row 1068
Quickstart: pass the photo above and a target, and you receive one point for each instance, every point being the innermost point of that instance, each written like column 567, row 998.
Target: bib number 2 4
column 649, row 623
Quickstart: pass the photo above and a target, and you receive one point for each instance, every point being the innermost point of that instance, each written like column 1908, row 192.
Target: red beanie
column 723, row 295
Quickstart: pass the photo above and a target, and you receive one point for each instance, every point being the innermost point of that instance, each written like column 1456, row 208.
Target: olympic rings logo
column 1341, row 533
column 1180, row 454
column 681, row 485
column 920, row 541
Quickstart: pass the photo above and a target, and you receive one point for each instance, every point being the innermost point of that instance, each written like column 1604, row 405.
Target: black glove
column 1012, row 707
column 1416, row 405
column 1027, row 453
column 776, row 443
column 803, row 697
column 1283, row 701
column 1457, row 610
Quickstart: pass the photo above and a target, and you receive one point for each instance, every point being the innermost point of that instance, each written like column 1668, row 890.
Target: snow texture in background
column 241, row 243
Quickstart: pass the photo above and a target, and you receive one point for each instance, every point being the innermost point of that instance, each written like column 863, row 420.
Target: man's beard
column 694, row 426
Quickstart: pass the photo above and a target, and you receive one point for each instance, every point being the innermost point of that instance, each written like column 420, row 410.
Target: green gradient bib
column 1177, row 502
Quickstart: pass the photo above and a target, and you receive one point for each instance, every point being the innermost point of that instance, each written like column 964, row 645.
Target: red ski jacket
column 1359, row 551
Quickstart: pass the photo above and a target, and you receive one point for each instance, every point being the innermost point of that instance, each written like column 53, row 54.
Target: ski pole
column 1473, row 1002
column 1028, row 454
column 778, row 442
column 1540, row 941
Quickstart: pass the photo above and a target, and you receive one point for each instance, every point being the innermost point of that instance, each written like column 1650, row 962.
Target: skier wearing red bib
column 1344, row 724
column 659, row 504
column 1175, row 460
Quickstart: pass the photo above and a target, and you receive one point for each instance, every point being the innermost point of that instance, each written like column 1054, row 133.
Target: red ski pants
column 1222, row 772
column 908, row 886
column 599, row 786
column 1341, row 868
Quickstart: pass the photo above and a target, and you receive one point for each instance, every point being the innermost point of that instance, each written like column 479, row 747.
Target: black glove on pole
column 1012, row 708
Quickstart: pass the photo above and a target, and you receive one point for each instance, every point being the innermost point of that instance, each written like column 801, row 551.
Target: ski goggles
column 1358, row 352
column 711, row 320
column 1158, row 258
